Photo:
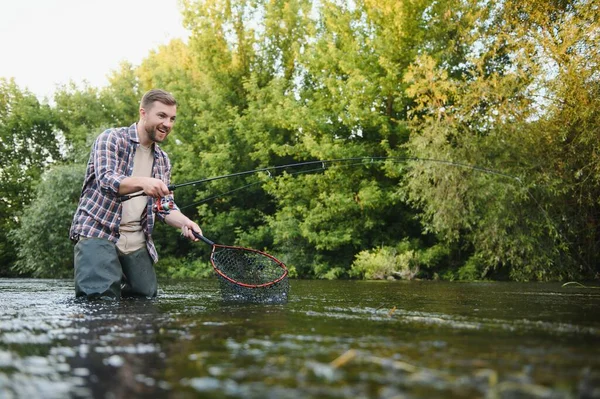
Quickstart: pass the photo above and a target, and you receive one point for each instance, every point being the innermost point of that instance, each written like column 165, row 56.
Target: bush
column 42, row 238
column 386, row 263
column 406, row 261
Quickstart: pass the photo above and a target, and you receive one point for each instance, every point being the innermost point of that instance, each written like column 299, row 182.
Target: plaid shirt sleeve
column 99, row 211
column 106, row 163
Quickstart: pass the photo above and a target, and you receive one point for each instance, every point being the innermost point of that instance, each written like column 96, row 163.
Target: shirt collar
column 133, row 136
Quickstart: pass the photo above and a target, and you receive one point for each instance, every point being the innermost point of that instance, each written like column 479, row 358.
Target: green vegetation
column 511, row 87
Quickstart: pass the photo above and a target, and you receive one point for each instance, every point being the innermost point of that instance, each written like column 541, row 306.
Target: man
column 113, row 236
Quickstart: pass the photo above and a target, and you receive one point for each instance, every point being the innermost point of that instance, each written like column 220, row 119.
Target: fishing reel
column 163, row 205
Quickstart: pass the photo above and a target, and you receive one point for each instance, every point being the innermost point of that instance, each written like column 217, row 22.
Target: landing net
column 248, row 275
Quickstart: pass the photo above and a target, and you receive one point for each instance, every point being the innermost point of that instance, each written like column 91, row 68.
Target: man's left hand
column 188, row 227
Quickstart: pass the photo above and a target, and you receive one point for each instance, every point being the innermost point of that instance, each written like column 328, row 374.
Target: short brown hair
column 157, row 95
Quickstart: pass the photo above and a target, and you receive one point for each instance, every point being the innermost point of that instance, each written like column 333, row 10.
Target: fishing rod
column 323, row 163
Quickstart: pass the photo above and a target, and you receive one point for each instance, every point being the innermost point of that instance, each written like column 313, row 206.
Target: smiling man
column 114, row 251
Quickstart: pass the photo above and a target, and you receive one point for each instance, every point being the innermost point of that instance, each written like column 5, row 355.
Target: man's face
column 159, row 120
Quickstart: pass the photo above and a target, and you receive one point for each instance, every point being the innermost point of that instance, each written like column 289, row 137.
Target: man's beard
column 152, row 133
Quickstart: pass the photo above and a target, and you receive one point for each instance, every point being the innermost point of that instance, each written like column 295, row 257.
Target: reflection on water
column 338, row 339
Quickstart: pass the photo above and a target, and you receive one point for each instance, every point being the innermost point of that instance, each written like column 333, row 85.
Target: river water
column 332, row 339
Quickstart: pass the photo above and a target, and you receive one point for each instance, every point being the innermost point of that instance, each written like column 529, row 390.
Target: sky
column 48, row 42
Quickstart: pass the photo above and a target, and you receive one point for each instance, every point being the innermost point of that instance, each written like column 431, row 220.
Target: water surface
column 333, row 339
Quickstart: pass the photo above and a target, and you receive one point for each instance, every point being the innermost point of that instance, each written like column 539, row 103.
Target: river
column 332, row 339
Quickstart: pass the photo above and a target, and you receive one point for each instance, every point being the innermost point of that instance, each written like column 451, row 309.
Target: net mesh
column 250, row 276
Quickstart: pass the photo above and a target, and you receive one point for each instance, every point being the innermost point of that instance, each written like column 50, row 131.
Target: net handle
column 202, row 238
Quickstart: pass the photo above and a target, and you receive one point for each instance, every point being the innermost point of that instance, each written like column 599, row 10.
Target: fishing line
column 323, row 166
column 324, row 163
column 212, row 197
column 340, row 160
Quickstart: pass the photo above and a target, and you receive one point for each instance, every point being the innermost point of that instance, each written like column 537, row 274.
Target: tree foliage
column 509, row 114
column 27, row 144
column 509, row 87
column 42, row 236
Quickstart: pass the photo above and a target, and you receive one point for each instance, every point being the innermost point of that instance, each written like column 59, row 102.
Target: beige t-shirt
column 131, row 234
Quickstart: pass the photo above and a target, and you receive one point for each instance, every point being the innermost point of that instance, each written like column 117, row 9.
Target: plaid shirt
column 111, row 160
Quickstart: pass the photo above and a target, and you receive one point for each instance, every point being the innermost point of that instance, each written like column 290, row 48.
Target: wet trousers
column 102, row 271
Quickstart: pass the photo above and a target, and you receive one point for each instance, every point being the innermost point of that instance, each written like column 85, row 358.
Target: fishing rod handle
column 123, row 198
column 202, row 238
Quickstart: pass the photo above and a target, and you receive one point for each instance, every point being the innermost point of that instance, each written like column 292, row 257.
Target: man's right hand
column 150, row 186
column 155, row 187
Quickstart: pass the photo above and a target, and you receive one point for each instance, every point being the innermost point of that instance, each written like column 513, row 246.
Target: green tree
column 348, row 102
column 84, row 112
column 121, row 98
column 291, row 87
column 44, row 249
column 223, row 48
column 509, row 87
column 27, row 144
column 562, row 37
column 506, row 112
column 80, row 117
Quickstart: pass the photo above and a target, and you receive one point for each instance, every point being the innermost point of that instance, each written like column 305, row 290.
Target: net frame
column 218, row 270
column 281, row 281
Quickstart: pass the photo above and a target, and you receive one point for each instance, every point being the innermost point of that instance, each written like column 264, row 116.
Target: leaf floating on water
column 396, row 364
column 515, row 389
column 573, row 283
column 576, row 284
column 490, row 375
column 343, row 358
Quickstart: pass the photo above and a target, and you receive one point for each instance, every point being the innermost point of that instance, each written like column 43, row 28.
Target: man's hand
column 188, row 228
column 179, row 220
column 155, row 187
column 150, row 186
